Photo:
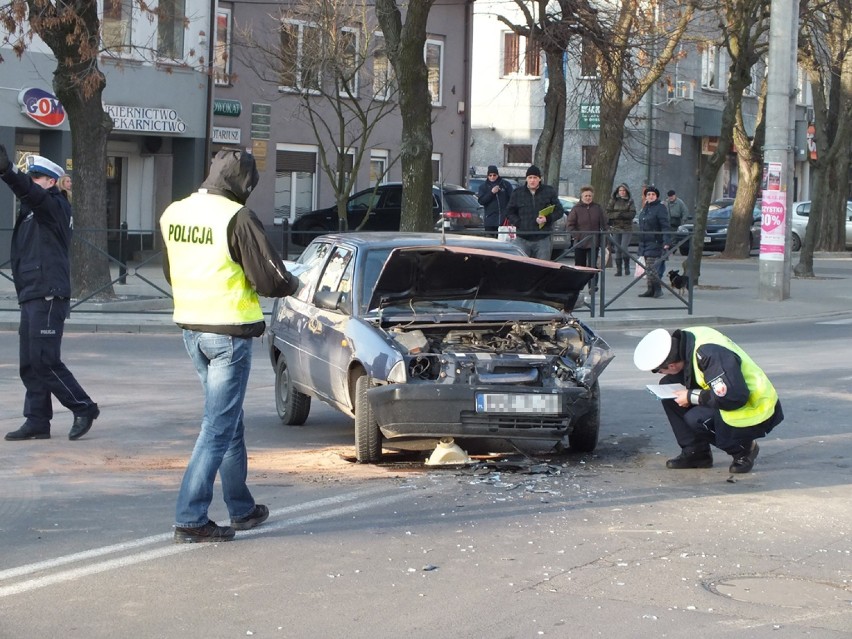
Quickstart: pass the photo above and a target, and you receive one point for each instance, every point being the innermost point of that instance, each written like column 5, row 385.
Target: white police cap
column 39, row 164
column 652, row 350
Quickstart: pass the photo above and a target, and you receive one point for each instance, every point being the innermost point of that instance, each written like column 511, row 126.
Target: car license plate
column 517, row 403
column 560, row 238
column 707, row 239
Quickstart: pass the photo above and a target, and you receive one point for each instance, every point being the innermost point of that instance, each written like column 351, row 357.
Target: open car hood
column 451, row 272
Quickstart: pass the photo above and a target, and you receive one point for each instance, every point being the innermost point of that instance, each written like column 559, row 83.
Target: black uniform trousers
column 697, row 427
column 41, row 367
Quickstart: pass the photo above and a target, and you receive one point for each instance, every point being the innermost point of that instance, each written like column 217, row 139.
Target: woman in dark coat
column 654, row 238
column 620, row 213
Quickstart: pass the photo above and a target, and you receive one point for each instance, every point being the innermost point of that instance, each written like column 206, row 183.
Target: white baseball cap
column 39, row 164
column 653, row 350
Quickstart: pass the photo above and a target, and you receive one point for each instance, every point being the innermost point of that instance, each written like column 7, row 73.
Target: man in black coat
column 532, row 209
column 41, row 269
column 494, row 196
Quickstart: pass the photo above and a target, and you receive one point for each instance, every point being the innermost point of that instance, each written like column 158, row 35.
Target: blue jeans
column 223, row 364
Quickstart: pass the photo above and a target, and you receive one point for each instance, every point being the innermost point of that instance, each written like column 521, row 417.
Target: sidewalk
column 728, row 293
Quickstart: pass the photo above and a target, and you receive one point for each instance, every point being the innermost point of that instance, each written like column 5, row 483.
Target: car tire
column 293, row 406
column 584, row 436
column 368, row 437
column 795, row 243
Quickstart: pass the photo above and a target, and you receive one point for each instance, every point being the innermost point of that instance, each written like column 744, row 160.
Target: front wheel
column 292, row 406
column 368, row 437
column 584, row 436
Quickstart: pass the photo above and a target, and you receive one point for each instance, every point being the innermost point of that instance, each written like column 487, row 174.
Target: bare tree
column 750, row 170
column 743, row 27
column 551, row 28
column 325, row 52
column 825, row 48
column 72, row 32
column 637, row 41
column 405, row 42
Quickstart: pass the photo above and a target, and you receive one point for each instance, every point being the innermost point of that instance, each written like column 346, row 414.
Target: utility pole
column 777, row 202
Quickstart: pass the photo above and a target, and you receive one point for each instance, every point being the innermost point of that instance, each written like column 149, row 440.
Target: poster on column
column 773, row 225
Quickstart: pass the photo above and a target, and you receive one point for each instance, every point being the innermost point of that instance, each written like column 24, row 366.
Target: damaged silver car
column 422, row 337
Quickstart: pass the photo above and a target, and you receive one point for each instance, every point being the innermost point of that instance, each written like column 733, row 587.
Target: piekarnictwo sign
column 41, row 106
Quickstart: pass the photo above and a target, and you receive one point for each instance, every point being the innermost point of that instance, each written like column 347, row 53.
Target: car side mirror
column 328, row 300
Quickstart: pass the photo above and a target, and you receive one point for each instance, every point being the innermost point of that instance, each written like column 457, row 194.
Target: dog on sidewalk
column 679, row 281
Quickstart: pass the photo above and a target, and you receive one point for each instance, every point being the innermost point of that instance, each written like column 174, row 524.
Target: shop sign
column 230, row 108
column 41, row 106
column 590, row 116
column 226, row 135
column 146, row 119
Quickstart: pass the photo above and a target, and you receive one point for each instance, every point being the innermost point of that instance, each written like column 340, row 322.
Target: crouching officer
column 728, row 401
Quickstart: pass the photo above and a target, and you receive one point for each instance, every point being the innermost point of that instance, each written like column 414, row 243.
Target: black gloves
column 4, row 159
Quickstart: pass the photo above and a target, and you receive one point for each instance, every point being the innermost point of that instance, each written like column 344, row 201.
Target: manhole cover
column 781, row 591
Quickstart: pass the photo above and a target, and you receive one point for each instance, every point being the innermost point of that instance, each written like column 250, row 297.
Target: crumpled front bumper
column 446, row 410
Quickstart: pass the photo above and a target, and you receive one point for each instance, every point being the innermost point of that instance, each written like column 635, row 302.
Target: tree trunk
column 548, row 151
column 405, row 51
column 72, row 33
column 610, row 141
column 750, row 165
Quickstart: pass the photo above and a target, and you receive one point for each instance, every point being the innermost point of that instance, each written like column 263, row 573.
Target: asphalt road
column 610, row 544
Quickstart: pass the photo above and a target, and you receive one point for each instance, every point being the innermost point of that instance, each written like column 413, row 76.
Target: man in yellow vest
column 218, row 259
column 728, row 401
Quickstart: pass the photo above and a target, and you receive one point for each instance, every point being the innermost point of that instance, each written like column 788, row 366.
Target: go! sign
column 41, row 106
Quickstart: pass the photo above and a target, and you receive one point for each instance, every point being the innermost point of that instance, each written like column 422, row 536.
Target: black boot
column 692, row 459
column 743, row 463
column 657, row 290
column 627, row 266
column 649, row 292
column 28, row 431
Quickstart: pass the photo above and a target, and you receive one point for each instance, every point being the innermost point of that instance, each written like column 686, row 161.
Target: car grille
column 517, row 422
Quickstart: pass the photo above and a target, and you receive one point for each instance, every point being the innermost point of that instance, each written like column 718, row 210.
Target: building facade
column 259, row 101
column 156, row 93
column 667, row 137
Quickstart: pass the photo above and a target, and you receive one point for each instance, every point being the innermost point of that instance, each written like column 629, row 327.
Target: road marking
column 837, row 322
column 174, row 549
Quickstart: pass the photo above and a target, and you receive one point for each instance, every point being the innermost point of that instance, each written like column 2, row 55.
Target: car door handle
column 314, row 326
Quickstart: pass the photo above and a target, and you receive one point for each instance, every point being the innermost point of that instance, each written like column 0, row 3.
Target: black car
column 382, row 206
column 716, row 233
column 419, row 337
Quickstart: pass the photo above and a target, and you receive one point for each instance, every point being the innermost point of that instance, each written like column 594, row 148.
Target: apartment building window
column 382, row 70
column 521, row 56
column 222, row 50
column 518, row 154
column 714, row 68
column 378, row 166
column 116, row 25
column 347, row 55
column 588, row 59
column 301, row 54
column 589, row 155
column 437, row 168
column 434, row 53
column 295, row 177
column 171, row 17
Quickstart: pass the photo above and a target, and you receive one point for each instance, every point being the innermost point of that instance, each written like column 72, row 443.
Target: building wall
column 289, row 129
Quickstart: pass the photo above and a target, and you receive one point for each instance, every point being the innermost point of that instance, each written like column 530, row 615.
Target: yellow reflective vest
column 762, row 396
column 209, row 287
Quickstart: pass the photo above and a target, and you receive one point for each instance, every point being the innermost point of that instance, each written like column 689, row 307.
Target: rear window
column 461, row 201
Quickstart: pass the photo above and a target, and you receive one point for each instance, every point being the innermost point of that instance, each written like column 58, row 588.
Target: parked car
column 799, row 222
column 421, row 338
column 716, row 233
column 561, row 238
column 382, row 206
